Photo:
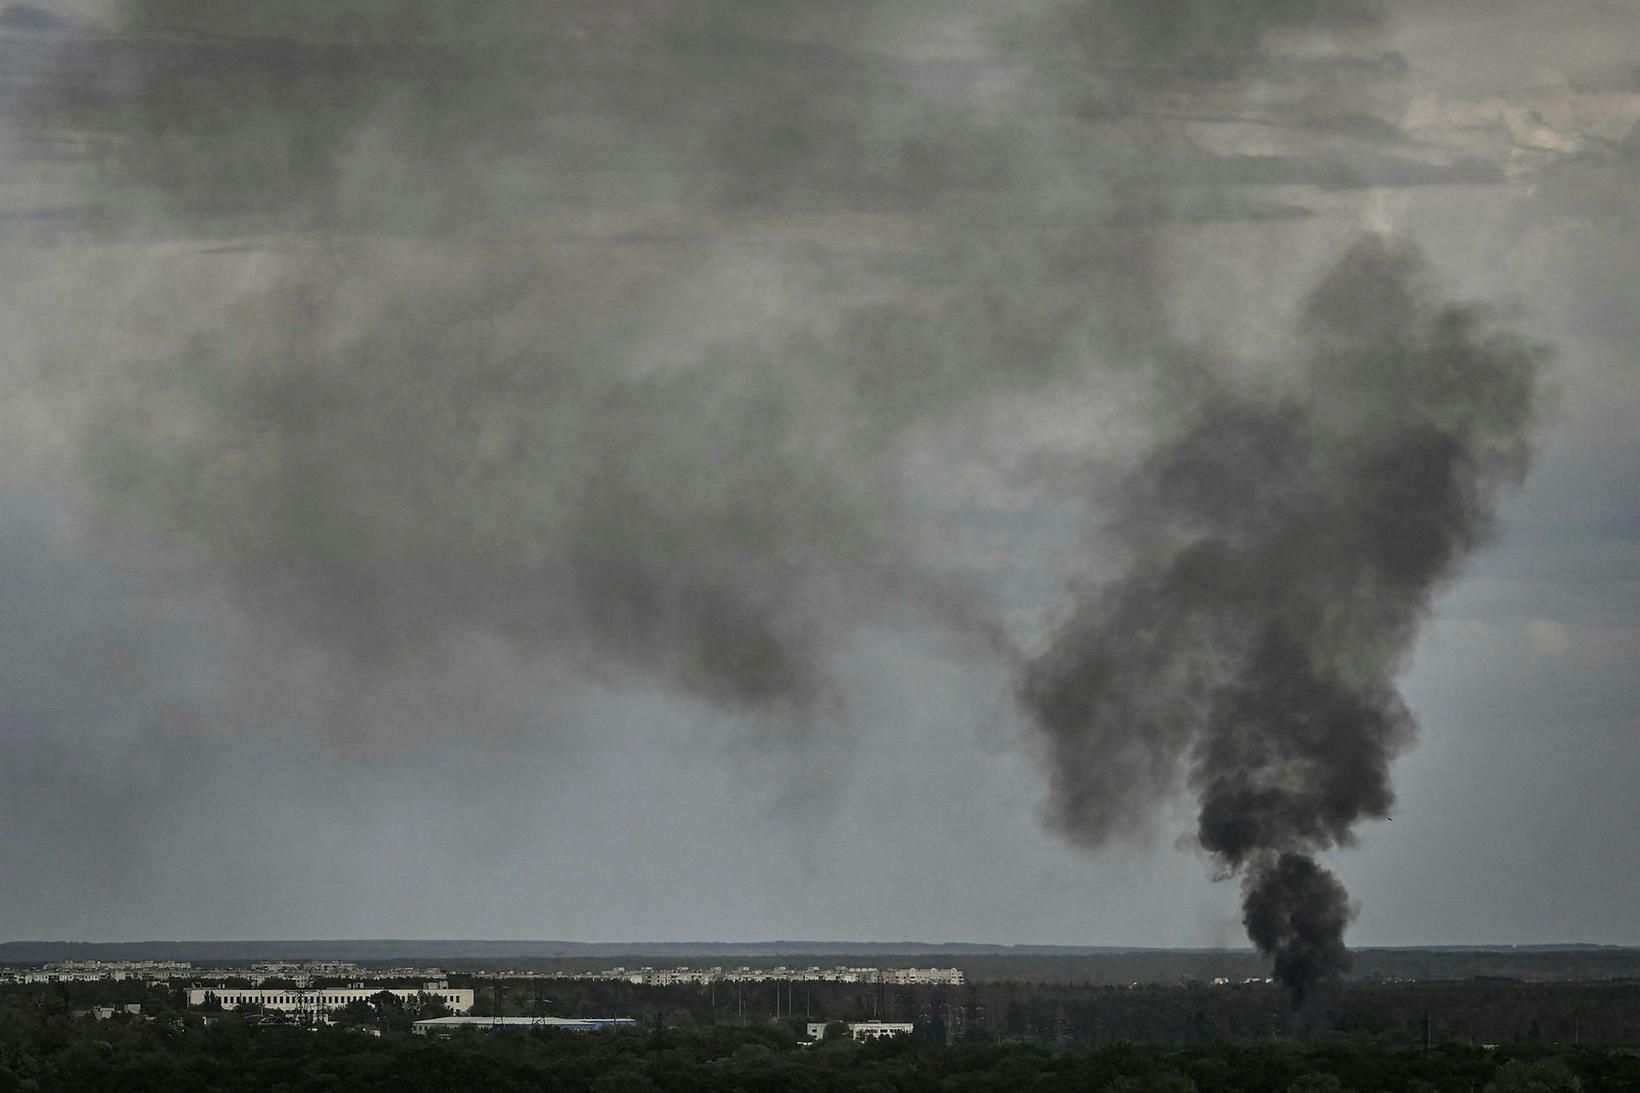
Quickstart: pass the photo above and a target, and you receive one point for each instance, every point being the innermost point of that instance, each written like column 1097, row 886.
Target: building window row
column 323, row 999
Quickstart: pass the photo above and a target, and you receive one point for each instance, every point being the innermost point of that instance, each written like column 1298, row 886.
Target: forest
column 1040, row 1041
column 1083, row 1015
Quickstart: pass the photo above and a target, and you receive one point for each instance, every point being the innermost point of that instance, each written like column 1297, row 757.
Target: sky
column 619, row 470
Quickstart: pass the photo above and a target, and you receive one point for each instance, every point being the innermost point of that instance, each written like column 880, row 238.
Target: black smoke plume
column 1285, row 548
column 1296, row 911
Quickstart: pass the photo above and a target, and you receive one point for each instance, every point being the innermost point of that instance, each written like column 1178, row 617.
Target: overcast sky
column 601, row 469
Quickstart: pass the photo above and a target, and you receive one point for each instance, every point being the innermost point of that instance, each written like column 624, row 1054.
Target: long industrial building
column 438, row 1026
column 321, row 999
column 865, row 1030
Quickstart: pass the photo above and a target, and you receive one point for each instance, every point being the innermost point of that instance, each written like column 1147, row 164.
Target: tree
column 391, row 1011
column 427, row 1006
column 1317, row 1083
column 1538, row 1076
column 356, row 1012
column 1167, row 1081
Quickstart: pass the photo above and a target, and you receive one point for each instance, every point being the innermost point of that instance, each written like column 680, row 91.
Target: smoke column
column 1284, row 549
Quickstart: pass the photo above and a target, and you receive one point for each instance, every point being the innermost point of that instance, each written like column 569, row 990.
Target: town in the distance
column 318, row 992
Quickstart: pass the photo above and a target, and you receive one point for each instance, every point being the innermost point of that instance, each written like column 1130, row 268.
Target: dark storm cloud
column 387, row 447
column 474, row 383
column 1285, row 546
column 249, row 112
column 26, row 17
column 1349, row 172
column 1185, row 43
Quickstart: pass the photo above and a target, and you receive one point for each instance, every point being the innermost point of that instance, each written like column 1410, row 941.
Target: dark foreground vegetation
column 1087, row 1016
column 45, row 1044
column 130, row 1055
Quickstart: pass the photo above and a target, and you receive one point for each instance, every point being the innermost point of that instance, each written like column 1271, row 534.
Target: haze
column 601, row 470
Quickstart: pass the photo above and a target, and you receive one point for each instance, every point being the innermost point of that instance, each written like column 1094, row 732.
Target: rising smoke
column 1284, row 550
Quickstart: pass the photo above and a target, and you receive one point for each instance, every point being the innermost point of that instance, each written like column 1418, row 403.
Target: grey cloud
column 646, row 347
column 1619, row 77
column 600, row 448
column 1193, row 42
column 1198, row 174
column 1356, row 172
column 26, row 17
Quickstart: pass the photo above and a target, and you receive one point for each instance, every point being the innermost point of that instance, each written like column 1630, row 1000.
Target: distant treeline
column 1060, row 1016
column 1161, row 966
column 982, row 963
column 1087, row 1016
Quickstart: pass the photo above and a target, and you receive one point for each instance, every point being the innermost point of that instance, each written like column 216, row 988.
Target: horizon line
column 788, row 943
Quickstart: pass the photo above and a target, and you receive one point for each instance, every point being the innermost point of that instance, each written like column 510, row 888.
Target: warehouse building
column 443, row 1026
column 864, row 1030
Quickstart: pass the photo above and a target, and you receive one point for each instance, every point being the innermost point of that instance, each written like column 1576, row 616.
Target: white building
column 67, row 971
column 671, row 977
column 668, row 977
column 323, row 999
column 446, row 1025
column 947, row 977
column 864, row 1030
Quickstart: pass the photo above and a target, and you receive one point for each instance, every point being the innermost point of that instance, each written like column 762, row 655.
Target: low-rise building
column 945, row 977
column 667, row 977
column 443, row 1026
column 103, row 1013
column 71, row 971
column 864, row 1030
column 323, row 999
